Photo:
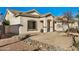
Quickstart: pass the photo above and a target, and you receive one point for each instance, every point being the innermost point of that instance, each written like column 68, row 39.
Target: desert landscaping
column 51, row 41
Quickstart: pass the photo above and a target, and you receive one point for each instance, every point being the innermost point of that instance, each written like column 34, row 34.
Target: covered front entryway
column 48, row 25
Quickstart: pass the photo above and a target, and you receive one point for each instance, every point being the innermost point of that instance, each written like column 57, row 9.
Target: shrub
column 6, row 22
column 76, row 45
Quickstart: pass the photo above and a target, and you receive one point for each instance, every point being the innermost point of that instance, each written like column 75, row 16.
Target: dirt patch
column 58, row 40
column 53, row 41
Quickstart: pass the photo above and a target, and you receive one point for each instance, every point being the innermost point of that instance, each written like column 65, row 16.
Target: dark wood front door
column 48, row 26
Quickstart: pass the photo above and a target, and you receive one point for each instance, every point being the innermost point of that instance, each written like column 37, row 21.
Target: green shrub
column 6, row 22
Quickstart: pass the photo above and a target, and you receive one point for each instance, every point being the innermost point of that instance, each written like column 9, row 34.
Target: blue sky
column 57, row 11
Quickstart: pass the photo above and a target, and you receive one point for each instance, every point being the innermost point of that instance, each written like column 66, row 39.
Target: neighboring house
column 31, row 21
column 60, row 23
column 74, row 23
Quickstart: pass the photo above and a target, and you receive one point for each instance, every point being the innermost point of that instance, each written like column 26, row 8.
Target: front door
column 48, row 26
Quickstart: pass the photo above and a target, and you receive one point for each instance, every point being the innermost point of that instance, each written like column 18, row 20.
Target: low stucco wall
column 14, row 29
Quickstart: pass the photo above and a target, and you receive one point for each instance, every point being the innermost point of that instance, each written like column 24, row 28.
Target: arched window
column 32, row 25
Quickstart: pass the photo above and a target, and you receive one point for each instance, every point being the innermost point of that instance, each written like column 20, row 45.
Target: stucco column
column 51, row 26
column 45, row 26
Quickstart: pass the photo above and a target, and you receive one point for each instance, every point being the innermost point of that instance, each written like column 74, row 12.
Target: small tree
column 77, row 16
column 68, row 15
column 6, row 22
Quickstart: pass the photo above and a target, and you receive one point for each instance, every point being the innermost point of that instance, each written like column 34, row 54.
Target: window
column 31, row 25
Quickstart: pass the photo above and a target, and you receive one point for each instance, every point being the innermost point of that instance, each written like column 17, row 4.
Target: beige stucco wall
column 24, row 20
column 44, row 24
column 13, row 20
column 51, row 18
column 45, row 19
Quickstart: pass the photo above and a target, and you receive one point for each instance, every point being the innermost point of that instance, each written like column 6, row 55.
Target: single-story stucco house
column 30, row 21
column 61, row 23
